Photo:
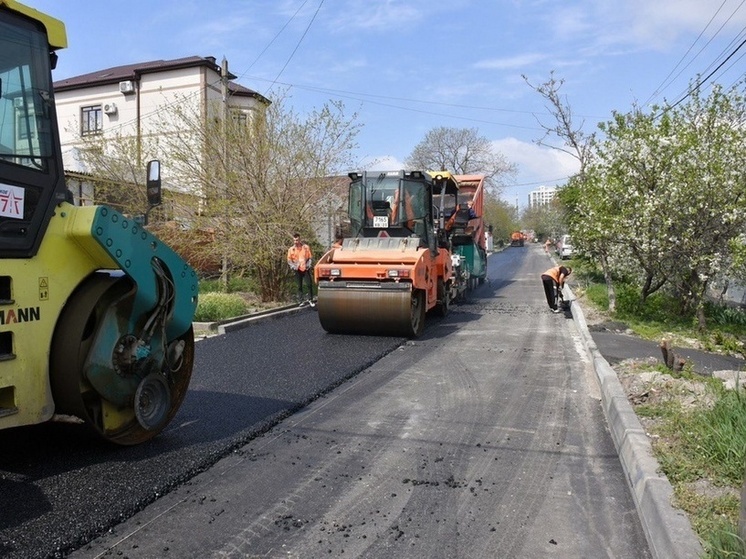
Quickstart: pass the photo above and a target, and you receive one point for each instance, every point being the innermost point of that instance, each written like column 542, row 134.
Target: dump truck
column 468, row 237
column 95, row 311
column 394, row 267
column 517, row 239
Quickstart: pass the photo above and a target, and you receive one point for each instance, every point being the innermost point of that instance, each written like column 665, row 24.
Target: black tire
column 417, row 314
column 444, row 303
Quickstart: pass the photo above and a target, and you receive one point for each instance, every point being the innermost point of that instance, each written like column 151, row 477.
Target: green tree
column 546, row 220
column 595, row 242
column 667, row 189
column 239, row 185
column 501, row 216
column 706, row 191
column 117, row 170
column 621, row 196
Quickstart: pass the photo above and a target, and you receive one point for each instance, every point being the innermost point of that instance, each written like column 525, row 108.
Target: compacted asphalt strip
column 667, row 529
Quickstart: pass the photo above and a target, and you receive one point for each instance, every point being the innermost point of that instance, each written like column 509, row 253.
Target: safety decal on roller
column 11, row 201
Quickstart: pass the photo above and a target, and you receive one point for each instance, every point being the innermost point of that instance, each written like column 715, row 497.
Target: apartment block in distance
column 541, row 197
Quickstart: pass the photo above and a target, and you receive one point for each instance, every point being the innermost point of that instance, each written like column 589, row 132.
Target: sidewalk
column 617, row 346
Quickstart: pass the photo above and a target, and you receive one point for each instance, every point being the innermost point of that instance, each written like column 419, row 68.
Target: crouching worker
column 554, row 280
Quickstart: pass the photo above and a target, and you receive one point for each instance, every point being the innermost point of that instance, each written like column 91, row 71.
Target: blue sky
column 408, row 66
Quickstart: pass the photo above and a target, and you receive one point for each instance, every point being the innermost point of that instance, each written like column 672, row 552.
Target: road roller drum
column 392, row 309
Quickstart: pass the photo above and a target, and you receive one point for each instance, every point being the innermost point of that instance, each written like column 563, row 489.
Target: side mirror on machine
column 153, row 190
column 154, row 183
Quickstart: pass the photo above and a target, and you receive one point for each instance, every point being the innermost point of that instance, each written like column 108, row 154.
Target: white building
column 131, row 101
column 541, row 197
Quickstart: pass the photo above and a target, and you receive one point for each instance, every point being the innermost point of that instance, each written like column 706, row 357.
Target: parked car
column 564, row 247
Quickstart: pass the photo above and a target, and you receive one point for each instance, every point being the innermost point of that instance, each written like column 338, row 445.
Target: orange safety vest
column 555, row 273
column 299, row 256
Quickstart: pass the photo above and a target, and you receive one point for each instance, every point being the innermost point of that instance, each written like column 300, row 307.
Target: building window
column 241, row 118
column 92, row 120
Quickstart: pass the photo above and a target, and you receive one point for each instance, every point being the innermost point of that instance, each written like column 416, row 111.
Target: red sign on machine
column 11, row 201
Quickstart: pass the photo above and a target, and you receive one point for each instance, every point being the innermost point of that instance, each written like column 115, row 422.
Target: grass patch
column 235, row 284
column 219, row 306
column 698, row 436
column 660, row 317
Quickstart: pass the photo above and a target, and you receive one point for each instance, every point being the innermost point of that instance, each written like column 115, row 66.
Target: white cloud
column 510, row 63
column 668, row 18
column 377, row 15
column 381, row 163
column 539, row 164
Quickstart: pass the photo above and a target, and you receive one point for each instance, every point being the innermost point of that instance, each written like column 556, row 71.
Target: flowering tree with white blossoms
column 668, row 192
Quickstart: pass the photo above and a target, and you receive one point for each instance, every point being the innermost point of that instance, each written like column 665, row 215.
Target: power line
column 700, row 82
column 265, row 49
column 297, row 46
column 540, row 182
column 342, row 92
column 661, row 86
column 733, row 42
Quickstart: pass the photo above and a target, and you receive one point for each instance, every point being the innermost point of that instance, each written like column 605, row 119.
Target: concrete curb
column 229, row 325
column 244, row 322
column 666, row 528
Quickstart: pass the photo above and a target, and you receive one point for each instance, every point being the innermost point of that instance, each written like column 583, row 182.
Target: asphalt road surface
column 483, row 438
column 59, row 487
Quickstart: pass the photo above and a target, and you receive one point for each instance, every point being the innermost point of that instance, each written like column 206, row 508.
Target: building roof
column 134, row 71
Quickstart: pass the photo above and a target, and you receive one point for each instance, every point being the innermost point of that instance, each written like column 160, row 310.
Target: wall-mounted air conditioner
column 18, row 102
column 110, row 108
column 127, row 86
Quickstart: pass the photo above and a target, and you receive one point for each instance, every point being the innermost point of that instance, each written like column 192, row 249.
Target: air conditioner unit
column 110, row 108
column 126, row 86
column 18, row 102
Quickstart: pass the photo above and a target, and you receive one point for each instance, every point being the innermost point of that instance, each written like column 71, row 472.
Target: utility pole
column 224, row 196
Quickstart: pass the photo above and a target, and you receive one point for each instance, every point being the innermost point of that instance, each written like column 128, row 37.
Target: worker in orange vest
column 300, row 261
column 554, row 280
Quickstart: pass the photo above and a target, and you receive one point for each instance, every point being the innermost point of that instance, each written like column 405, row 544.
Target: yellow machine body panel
column 95, row 311
column 39, row 288
column 55, row 28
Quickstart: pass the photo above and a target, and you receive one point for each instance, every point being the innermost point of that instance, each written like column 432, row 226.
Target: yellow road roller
column 95, row 312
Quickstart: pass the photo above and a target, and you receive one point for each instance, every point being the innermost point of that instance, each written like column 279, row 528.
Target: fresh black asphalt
column 617, row 346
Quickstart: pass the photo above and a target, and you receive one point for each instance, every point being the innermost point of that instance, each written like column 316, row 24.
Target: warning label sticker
column 11, row 201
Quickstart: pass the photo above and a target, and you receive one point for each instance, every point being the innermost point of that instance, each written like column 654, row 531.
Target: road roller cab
column 95, row 312
column 392, row 270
